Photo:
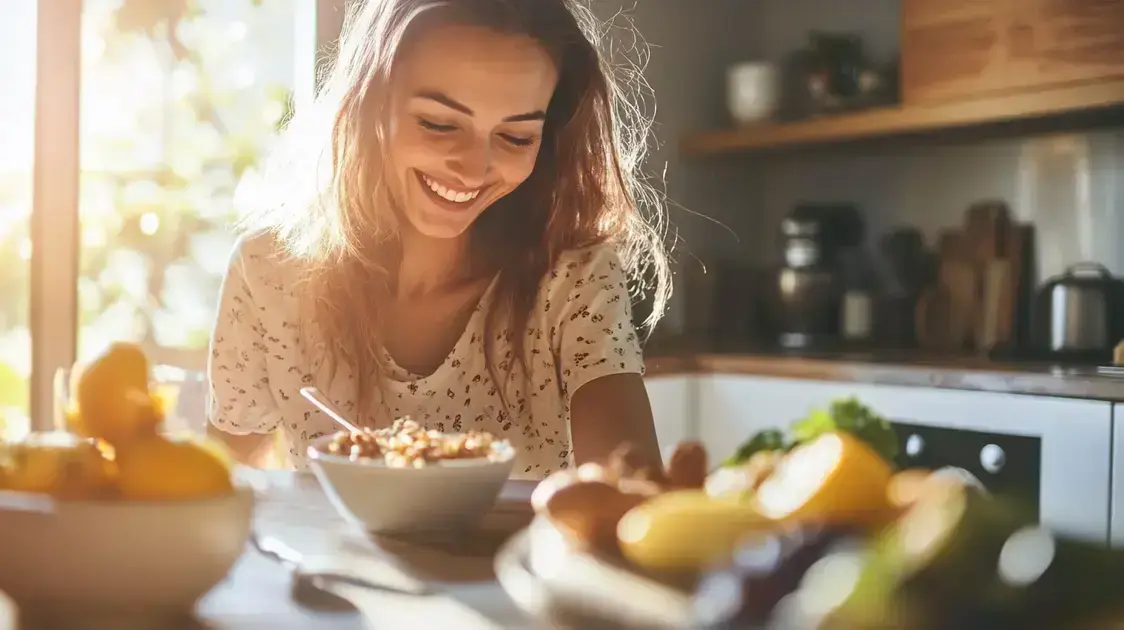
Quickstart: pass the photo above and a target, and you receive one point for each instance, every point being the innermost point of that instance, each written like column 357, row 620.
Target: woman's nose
column 470, row 162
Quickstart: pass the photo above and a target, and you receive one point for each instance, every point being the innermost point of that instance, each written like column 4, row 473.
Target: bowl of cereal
column 407, row 478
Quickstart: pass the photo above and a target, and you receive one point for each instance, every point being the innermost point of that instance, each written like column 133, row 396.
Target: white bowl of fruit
column 112, row 524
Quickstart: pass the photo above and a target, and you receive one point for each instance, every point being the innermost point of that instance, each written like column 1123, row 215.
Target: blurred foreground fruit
column 836, row 479
column 59, row 464
column 686, row 530
column 110, row 399
column 162, row 468
column 765, row 570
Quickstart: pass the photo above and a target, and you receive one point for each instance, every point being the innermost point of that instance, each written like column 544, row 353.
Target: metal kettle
column 1080, row 314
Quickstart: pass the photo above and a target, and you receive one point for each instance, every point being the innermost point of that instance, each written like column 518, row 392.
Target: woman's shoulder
column 257, row 250
column 578, row 267
column 581, row 278
column 263, row 262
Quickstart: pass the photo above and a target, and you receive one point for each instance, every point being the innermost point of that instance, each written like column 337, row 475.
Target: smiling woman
column 449, row 235
column 464, row 158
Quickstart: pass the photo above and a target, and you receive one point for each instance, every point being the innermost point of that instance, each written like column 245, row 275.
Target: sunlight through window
column 17, row 124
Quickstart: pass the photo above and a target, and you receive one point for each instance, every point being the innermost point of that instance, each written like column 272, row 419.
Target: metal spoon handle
column 323, row 404
column 27, row 503
column 291, row 559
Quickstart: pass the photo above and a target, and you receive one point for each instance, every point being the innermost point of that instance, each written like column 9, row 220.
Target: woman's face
column 466, row 123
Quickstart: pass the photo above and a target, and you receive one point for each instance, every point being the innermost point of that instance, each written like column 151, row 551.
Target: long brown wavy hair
column 324, row 194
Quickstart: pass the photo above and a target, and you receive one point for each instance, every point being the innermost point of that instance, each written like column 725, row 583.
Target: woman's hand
column 256, row 449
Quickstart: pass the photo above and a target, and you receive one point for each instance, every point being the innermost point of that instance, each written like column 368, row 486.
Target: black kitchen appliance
column 1006, row 464
column 818, row 238
column 1078, row 317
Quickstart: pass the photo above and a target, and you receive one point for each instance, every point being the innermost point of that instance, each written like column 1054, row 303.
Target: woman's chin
column 440, row 224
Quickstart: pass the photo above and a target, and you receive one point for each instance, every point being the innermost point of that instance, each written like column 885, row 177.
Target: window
column 17, row 117
column 174, row 109
column 155, row 111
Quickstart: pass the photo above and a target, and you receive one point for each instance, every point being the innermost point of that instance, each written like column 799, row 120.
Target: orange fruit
column 155, row 467
column 110, row 398
column 835, row 479
column 59, row 464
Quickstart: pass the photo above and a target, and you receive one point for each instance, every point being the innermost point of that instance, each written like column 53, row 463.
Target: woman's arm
column 608, row 411
column 243, row 412
column 601, row 363
column 253, row 450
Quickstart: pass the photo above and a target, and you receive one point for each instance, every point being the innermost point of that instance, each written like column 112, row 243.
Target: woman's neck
column 431, row 264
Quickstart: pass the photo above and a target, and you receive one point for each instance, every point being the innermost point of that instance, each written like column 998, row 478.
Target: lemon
column 110, row 399
column 156, row 467
column 212, row 446
column 686, row 530
column 834, row 479
column 59, row 464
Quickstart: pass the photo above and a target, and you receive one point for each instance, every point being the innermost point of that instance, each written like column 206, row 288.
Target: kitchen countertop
column 898, row 368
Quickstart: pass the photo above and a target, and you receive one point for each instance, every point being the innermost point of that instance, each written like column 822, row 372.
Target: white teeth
column 450, row 195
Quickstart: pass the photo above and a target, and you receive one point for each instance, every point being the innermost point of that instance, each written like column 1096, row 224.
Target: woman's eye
column 437, row 127
column 519, row 141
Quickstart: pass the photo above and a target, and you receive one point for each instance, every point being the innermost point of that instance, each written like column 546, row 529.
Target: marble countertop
column 899, row 368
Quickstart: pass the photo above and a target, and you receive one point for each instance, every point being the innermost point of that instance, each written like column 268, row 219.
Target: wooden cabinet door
column 954, row 48
column 1075, row 40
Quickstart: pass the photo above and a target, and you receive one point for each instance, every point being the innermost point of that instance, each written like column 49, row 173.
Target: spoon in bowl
column 314, row 396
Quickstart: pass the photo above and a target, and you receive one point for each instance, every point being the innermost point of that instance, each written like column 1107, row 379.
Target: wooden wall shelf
column 1042, row 104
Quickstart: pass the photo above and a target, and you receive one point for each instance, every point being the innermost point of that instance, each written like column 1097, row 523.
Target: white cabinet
column 1075, row 436
column 672, row 399
column 732, row 408
column 1116, row 506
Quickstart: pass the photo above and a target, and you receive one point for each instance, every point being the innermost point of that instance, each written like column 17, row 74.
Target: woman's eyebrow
column 451, row 103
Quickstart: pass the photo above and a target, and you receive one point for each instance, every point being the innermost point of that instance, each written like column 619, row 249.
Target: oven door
column 1063, row 467
column 1052, row 454
column 1006, row 465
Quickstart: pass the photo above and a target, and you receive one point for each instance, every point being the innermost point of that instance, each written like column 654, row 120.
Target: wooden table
column 258, row 592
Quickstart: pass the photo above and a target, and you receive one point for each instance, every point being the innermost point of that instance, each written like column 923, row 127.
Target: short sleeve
column 241, row 399
column 591, row 310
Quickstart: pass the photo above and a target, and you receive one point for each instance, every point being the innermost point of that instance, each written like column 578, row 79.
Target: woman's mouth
column 447, row 196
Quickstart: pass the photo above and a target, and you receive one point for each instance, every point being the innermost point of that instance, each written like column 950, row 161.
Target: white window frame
column 55, row 225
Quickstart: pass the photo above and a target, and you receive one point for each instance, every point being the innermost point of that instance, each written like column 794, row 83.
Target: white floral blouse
column 581, row 330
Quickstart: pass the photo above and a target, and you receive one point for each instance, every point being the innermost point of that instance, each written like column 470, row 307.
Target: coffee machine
column 818, row 240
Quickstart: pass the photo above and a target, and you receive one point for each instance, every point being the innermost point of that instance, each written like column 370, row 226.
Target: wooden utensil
column 993, row 321
column 986, row 225
column 1014, row 322
column 932, row 319
column 987, row 230
column 959, row 278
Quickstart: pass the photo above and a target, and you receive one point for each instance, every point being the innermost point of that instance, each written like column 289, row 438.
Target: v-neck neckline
column 402, row 375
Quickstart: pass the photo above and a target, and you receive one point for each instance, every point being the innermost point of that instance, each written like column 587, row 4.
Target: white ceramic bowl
column 120, row 564
column 383, row 499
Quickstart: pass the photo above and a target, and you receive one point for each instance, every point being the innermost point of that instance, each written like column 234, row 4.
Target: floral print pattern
column 581, row 330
